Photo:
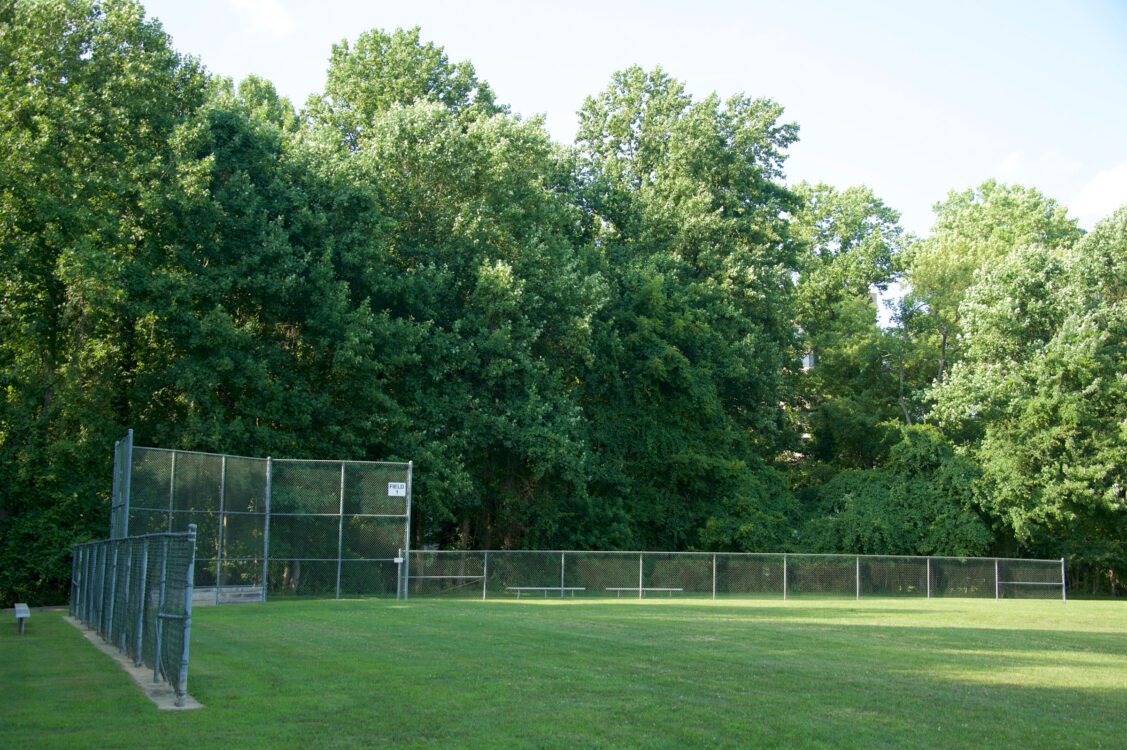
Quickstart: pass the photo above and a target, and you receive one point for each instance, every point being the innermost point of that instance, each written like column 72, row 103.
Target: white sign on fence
column 397, row 489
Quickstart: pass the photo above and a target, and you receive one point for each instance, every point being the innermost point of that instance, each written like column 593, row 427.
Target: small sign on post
column 397, row 489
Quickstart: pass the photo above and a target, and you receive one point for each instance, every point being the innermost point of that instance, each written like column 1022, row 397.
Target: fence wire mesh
column 136, row 592
column 571, row 574
column 272, row 526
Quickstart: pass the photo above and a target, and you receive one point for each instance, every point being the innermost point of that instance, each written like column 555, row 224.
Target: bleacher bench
column 22, row 613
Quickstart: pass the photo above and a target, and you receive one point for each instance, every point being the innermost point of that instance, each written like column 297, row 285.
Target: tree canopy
column 645, row 339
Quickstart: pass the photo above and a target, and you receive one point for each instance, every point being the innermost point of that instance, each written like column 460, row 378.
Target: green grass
column 804, row 673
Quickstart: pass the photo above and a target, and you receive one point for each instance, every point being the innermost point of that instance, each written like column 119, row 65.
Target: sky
column 912, row 99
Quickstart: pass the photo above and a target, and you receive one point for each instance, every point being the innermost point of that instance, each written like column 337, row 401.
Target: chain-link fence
column 561, row 574
column 272, row 526
column 137, row 594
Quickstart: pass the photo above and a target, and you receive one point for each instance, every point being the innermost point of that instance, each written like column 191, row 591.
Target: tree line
column 646, row 339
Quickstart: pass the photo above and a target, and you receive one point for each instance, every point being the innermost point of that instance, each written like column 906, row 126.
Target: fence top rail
column 122, row 539
column 216, row 512
column 635, row 553
column 338, row 461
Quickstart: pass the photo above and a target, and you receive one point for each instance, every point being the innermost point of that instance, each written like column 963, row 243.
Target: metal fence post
column 219, row 531
column 128, row 482
column 101, row 588
column 171, row 489
column 1063, row 587
column 266, row 532
column 407, row 533
column 640, row 589
column 340, row 528
column 113, row 595
column 784, row 577
column 72, row 605
column 997, row 585
column 858, row 578
column 142, row 601
column 929, row 578
column 484, row 574
column 562, row 555
column 714, row 577
column 128, row 591
column 182, row 682
column 84, row 613
column 159, row 625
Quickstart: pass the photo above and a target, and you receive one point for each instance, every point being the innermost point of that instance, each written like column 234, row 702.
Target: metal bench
column 546, row 589
column 22, row 613
column 642, row 591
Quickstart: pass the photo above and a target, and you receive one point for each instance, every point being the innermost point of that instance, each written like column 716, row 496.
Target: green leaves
column 1042, row 380
column 919, row 502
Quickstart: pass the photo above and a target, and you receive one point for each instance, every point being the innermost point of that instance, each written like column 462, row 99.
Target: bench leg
column 21, row 626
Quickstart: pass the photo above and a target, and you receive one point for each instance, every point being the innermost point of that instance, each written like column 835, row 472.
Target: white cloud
column 268, row 15
column 1103, row 194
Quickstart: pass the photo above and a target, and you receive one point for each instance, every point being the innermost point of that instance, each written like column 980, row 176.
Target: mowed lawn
column 900, row 673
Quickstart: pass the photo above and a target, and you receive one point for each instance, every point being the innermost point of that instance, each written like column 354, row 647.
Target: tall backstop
column 268, row 526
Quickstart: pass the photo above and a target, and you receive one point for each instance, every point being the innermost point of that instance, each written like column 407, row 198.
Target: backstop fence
column 137, row 594
column 512, row 573
column 271, row 526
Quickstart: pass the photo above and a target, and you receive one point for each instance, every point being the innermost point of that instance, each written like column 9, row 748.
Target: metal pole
column 113, row 595
column 128, row 591
column 160, row 607
column 858, row 578
column 182, row 683
column 171, row 489
column 562, row 574
column 1063, row 587
column 997, row 585
column 91, row 561
column 75, row 561
column 640, row 575
column 340, row 527
column 87, row 585
column 73, row 604
column 142, row 601
column 714, row 577
column 118, row 489
column 266, row 532
column 784, row 577
column 128, row 482
column 101, row 588
column 484, row 574
column 929, row 578
column 222, row 523
column 407, row 533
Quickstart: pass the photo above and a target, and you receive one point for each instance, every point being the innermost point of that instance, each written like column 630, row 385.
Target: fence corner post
column 182, row 682
column 266, row 533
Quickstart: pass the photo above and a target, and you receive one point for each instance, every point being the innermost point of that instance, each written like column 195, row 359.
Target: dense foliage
column 643, row 340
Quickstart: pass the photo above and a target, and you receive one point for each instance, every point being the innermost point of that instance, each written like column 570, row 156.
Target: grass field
column 833, row 673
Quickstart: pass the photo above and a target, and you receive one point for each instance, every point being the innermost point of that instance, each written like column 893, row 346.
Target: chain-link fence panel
column 1030, row 579
column 753, row 576
column 893, row 576
column 578, row 574
column 119, row 504
column 821, row 575
column 602, row 573
column 448, row 573
column 283, row 526
column 964, row 577
column 136, row 592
